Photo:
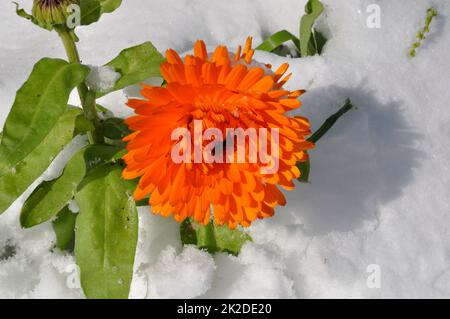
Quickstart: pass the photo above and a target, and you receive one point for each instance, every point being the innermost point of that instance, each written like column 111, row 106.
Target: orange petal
column 200, row 50
column 263, row 85
column 173, row 57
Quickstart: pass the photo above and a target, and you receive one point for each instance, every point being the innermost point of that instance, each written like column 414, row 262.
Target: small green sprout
column 421, row 35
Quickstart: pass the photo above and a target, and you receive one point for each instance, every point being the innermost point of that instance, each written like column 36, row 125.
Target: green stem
column 87, row 97
column 330, row 121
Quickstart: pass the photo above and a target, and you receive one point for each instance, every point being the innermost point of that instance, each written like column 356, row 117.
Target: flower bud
column 49, row 13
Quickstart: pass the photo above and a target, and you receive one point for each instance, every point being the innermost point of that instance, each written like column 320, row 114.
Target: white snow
column 73, row 207
column 185, row 276
column 380, row 179
column 102, row 78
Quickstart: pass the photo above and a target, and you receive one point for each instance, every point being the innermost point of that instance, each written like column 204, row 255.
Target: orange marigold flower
column 222, row 91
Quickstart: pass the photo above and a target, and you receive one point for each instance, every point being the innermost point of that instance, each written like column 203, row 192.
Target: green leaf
column 328, row 124
column 311, row 42
column 313, row 9
column 102, row 109
column 135, row 65
column 316, row 43
column 23, row 14
column 212, row 237
column 304, row 168
column 96, row 155
column 109, row 6
column 115, row 129
column 188, row 232
column 90, row 10
column 64, row 228
column 51, row 196
column 14, row 181
column 106, row 234
column 277, row 39
column 38, row 105
column 142, row 202
column 120, row 154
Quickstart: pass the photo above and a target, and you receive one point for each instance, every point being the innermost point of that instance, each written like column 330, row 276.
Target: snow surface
column 102, row 78
column 380, row 179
